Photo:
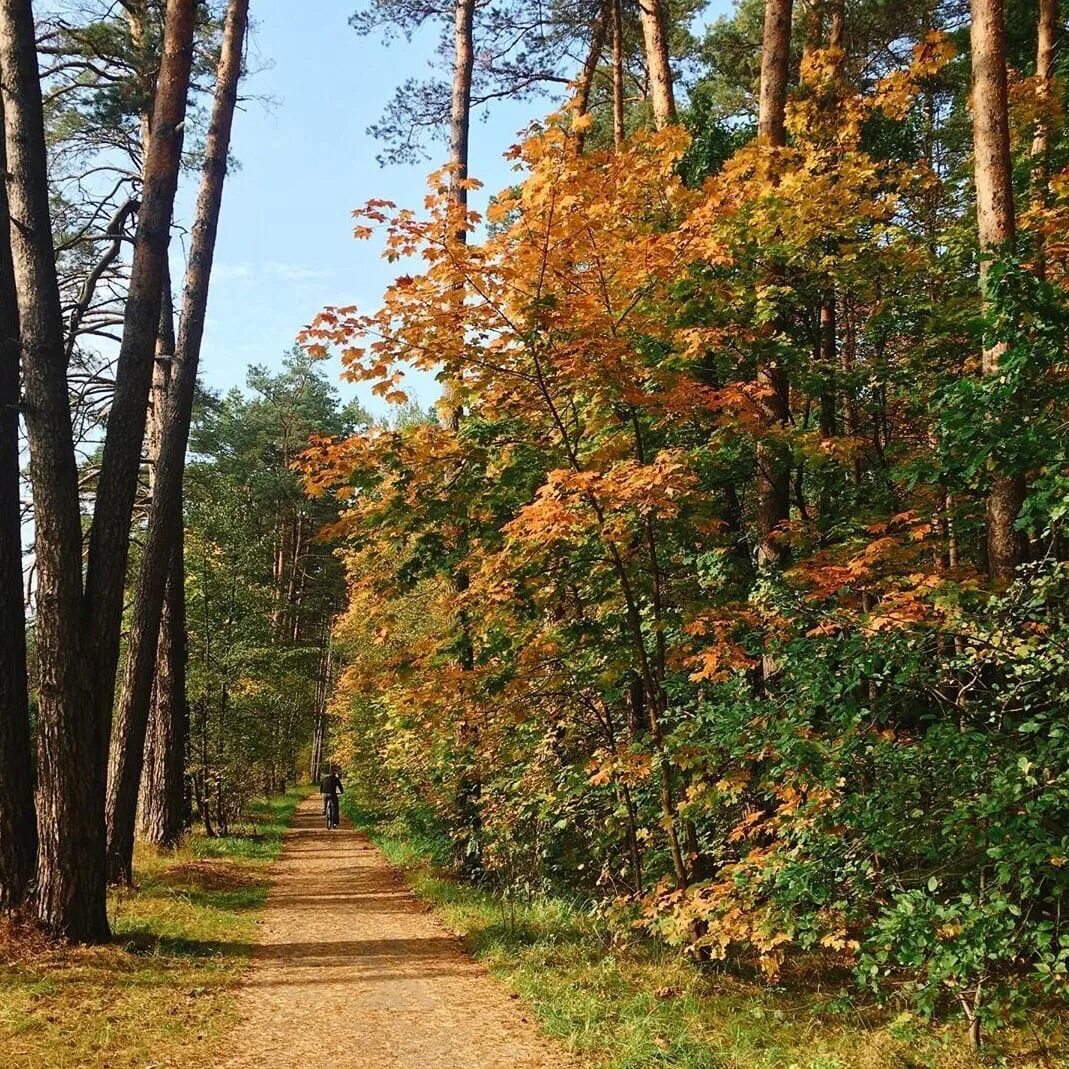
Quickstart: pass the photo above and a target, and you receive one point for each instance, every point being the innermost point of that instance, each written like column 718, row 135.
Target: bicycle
column 332, row 812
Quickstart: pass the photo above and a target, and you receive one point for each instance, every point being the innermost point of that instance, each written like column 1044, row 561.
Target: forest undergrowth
column 629, row 1003
column 161, row 992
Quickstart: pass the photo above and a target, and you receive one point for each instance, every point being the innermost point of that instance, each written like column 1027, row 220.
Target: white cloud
column 290, row 272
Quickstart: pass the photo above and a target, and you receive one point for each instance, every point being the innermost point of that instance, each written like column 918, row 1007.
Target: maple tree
column 735, row 746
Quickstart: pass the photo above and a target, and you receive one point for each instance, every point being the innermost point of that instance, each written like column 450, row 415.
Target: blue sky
column 285, row 245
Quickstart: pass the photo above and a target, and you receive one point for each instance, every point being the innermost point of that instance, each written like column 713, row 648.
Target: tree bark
column 775, row 67
column 590, row 64
column 460, row 112
column 655, row 37
column 70, row 893
column 162, row 807
column 109, row 537
column 996, row 229
column 773, row 459
column 618, row 130
column 836, row 31
column 162, row 804
column 590, row 68
column 165, row 516
column 1046, row 38
column 18, row 832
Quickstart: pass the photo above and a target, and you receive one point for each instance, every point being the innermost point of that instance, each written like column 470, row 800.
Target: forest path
column 352, row 972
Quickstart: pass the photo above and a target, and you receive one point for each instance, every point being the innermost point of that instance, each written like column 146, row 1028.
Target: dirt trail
column 351, row 972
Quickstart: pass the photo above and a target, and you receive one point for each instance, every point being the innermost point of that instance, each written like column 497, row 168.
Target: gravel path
column 352, row 972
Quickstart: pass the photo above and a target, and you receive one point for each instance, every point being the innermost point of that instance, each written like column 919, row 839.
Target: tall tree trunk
column 590, row 64
column 18, row 832
column 590, row 68
column 162, row 807
column 469, row 789
column 773, row 459
column 655, row 36
column 775, row 67
column 460, row 111
column 165, row 516
column 829, row 359
column 109, row 536
column 996, row 227
column 836, row 31
column 70, row 892
column 1046, row 38
column 618, row 131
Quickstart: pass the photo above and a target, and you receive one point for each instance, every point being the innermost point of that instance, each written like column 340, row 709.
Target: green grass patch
column 627, row 1003
column 161, row 994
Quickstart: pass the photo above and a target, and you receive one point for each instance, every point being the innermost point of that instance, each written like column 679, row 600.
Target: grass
column 634, row 1005
column 160, row 994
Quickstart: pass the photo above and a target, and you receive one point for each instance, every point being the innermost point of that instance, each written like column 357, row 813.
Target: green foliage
column 261, row 586
column 624, row 1003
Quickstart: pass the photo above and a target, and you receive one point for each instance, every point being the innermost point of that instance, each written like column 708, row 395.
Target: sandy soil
column 353, row 972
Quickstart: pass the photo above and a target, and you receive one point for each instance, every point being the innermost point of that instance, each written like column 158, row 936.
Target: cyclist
column 330, row 787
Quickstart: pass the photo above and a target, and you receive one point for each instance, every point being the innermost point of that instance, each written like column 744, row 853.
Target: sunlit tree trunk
column 775, row 67
column 996, row 227
column 773, row 460
column 70, row 893
column 109, row 536
column 617, row 75
column 1046, row 38
column 18, row 832
column 836, row 28
column 162, row 806
column 590, row 68
column 655, row 36
column 460, row 112
column 161, row 809
column 165, row 516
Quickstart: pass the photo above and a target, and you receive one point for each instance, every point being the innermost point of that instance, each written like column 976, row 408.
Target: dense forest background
column 723, row 592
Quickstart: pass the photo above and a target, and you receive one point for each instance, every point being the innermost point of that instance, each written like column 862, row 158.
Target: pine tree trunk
column 18, row 831
column 162, row 808
column 590, row 68
column 773, row 459
column 836, row 31
column 655, row 36
column 996, row 227
column 460, row 111
column 165, row 516
column 829, row 359
column 70, row 893
column 618, row 130
column 775, row 67
column 1046, row 38
column 109, row 537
